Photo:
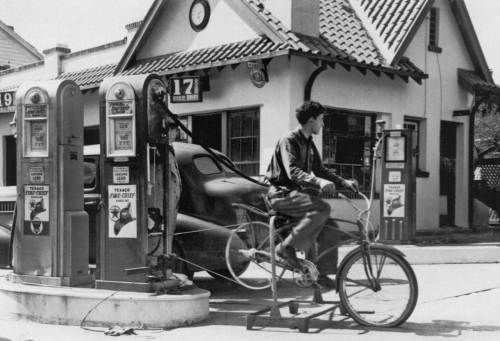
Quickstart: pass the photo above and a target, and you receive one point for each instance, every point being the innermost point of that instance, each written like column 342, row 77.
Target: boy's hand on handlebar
column 351, row 185
column 327, row 187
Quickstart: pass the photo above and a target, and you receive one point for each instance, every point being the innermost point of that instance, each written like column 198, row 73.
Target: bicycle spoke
column 363, row 283
column 395, row 294
column 380, row 266
column 249, row 244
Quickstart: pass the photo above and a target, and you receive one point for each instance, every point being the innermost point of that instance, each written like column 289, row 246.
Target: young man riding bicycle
column 297, row 177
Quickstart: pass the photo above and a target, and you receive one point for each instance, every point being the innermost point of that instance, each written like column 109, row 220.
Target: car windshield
column 206, row 165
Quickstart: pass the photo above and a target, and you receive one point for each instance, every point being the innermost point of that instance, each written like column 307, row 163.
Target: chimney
column 132, row 28
column 300, row 16
column 53, row 64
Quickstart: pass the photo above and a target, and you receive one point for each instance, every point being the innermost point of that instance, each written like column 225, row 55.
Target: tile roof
column 89, row 78
column 342, row 39
column 473, row 83
column 9, row 88
column 340, row 27
column 85, row 79
column 390, row 22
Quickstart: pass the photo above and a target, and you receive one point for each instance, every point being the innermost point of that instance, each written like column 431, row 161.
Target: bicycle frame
column 362, row 219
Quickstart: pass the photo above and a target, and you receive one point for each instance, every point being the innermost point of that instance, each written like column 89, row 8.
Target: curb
column 444, row 254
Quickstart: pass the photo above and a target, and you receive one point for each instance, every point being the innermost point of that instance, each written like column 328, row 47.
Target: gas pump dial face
column 395, row 150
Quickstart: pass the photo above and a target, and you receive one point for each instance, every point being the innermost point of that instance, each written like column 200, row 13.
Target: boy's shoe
column 289, row 255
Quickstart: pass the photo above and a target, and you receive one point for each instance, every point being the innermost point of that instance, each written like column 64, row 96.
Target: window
column 206, row 165
column 91, row 135
column 348, row 140
column 182, row 136
column 89, row 173
column 434, row 31
column 244, row 140
column 417, row 126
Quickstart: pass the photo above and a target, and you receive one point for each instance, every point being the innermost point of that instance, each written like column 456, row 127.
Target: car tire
column 226, row 274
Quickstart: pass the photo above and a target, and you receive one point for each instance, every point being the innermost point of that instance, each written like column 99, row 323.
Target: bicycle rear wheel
column 390, row 306
column 243, row 248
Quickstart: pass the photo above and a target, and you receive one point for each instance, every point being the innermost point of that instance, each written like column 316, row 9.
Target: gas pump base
column 137, row 287
column 69, row 306
column 77, row 281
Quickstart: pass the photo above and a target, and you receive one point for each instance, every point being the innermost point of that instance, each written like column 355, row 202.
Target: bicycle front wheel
column 388, row 299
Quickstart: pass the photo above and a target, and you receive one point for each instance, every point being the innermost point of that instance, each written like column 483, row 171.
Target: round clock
column 199, row 14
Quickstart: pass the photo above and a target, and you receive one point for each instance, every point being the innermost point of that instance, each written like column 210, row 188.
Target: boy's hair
column 307, row 110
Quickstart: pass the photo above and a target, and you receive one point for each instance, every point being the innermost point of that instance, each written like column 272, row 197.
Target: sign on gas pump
column 122, row 212
column 36, row 210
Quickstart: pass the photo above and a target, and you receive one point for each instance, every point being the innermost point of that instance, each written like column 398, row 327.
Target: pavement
column 459, row 290
column 455, row 300
column 449, row 245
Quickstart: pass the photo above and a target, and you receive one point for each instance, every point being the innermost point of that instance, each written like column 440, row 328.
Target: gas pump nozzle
column 160, row 93
column 380, row 127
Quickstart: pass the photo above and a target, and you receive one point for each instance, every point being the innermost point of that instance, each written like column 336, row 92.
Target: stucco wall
column 173, row 32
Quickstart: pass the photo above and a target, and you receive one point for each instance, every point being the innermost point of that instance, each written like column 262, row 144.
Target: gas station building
column 418, row 67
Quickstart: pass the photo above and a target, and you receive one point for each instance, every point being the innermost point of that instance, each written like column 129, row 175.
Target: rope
column 213, row 228
column 231, row 279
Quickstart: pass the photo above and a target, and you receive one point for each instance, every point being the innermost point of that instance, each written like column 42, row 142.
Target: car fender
column 202, row 242
column 376, row 246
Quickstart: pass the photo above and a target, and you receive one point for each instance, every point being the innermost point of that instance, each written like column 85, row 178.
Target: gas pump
column 52, row 237
column 398, row 187
column 134, row 141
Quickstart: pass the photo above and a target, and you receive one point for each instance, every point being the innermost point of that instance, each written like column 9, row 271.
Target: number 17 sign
column 185, row 89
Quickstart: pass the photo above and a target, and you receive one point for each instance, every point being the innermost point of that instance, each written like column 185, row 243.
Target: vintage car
column 206, row 215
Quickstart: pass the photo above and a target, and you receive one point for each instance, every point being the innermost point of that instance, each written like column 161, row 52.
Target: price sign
column 6, row 99
column 185, row 89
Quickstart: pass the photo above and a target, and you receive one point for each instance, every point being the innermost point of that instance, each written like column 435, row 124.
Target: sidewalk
column 450, row 245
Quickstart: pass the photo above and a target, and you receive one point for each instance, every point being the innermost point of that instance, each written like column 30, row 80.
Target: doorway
column 447, row 173
column 207, row 130
column 10, row 161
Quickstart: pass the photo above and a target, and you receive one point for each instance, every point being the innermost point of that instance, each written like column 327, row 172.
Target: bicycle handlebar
column 367, row 202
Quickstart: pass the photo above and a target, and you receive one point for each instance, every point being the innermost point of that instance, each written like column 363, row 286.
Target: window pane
column 246, row 149
column 206, row 165
column 256, row 124
column 247, row 124
column 235, row 150
column 256, row 149
column 246, row 169
column 235, row 125
column 255, row 170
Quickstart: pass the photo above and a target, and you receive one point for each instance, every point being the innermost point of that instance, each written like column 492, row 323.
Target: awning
column 470, row 81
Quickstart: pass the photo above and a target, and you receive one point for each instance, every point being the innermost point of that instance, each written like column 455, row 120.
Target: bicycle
column 376, row 285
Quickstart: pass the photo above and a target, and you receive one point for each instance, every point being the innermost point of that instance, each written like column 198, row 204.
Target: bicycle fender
column 388, row 248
